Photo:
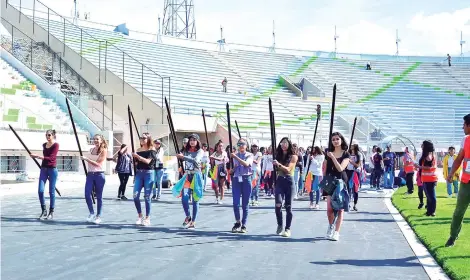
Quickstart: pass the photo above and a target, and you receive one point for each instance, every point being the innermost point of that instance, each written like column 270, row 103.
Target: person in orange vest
column 409, row 167
column 428, row 165
column 463, row 197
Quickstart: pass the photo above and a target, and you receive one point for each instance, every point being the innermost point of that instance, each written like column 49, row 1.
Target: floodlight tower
column 75, row 14
column 273, row 47
column 178, row 19
column 462, row 42
column 397, row 41
column 335, row 38
column 159, row 32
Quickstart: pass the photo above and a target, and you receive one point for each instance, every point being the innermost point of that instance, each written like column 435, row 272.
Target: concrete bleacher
column 23, row 105
column 196, row 76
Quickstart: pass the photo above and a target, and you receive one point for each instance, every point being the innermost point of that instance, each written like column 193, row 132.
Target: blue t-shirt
column 391, row 160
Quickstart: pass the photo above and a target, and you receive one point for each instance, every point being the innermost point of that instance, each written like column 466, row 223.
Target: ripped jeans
column 143, row 179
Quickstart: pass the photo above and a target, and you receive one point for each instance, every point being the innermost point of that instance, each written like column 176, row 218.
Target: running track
column 371, row 244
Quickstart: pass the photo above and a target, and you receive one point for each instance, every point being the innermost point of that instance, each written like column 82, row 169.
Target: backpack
column 338, row 198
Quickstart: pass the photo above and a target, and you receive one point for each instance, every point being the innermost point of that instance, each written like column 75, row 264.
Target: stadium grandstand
column 102, row 72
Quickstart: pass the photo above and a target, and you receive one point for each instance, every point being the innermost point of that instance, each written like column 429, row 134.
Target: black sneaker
column 123, row 198
column 279, row 230
column 354, row 208
column 154, row 197
column 450, row 242
column 50, row 216
column 119, row 197
column 420, row 205
column 243, row 229
column 43, row 214
column 236, row 227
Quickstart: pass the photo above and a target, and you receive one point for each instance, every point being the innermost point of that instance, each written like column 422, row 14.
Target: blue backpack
column 340, row 197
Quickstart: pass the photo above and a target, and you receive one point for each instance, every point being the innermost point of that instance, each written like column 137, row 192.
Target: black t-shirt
column 149, row 154
column 331, row 168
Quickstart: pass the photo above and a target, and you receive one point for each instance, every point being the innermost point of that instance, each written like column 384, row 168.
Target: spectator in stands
column 463, row 198
column 48, row 172
column 318, row 111
column 449, row 58
column 368, row 67
column 447, row 166
column 95, row 178
column 123, row 169
column 224, row 84
column 389, row 165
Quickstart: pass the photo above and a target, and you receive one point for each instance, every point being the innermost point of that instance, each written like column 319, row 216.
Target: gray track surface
column 371, row 245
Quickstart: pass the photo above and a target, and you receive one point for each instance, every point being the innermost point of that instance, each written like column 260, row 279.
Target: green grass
column 434, row 231
column 10, row 118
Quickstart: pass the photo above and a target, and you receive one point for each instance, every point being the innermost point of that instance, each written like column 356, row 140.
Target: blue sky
column 429, row 27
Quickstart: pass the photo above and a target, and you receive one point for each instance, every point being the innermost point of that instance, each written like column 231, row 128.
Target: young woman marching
column 123, row 169
column 353, row 170
column 285, row 167
column 48, row 172
column 338, row 160
column 219, row 158
column 316, row 168
column 256, row 168
column 190, row 185
column 145, row 159
column 267, row 172
column 157, row 190
column 241, row 184
column 428, row 166
column 95, row 177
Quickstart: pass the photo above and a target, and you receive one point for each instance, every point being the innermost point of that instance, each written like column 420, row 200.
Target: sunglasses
column 48, row 135
column 241, row 144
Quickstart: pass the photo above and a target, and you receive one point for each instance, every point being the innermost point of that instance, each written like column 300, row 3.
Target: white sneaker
column 316, row 206
column 449, row 196
column 97, row 220
column 330, row 231
column 296, row 197
column 335, row 236
column 139, row 221
column 220, row 202
column 90, row 218
column 146, row 222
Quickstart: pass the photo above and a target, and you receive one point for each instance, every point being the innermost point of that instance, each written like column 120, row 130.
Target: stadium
column 115, row 84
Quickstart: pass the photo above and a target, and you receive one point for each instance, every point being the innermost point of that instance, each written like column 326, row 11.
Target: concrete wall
column 142, row 108
column 287, row 82
column 311, row 90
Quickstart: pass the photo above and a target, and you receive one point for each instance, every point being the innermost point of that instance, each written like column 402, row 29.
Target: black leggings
column 409, row 182
column 123, row 178
column 284, row 189
column 352, row 193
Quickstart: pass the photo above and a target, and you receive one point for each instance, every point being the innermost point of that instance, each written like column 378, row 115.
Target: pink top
column 93, row 157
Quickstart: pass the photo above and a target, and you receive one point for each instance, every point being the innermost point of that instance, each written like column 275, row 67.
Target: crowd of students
column 283, row 173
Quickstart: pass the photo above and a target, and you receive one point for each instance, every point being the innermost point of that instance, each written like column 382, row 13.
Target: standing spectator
column 447, row 166
column 378, row 168
column 463, row 198
column 389, row 165
column 123, row 169
column 224, row 84
column 408, row 166
column 368, row 66
column 449, row 58
column 372, row 173
column 428, row 165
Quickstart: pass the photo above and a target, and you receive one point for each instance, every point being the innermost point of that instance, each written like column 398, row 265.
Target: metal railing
column 104, row 52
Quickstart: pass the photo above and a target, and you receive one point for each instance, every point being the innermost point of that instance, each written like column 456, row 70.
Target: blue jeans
column 255, row 190
column 51, row 175
column 143, row 179
column 97, row 180
column 158, row 182
column 389, row 177
column 241, row 189
column 449, row 185
column 315, row 188
column 185, row 201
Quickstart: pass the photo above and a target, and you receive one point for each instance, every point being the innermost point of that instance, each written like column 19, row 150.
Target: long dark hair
column 317, row 151
column 280, row 156
column 428, row 147
column 344, row 144
column 188, row 146
column 354, row 148
column 217, row 146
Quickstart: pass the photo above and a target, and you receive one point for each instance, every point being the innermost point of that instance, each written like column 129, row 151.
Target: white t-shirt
column 256, row 157
column 316, row 165
column 450, row 161
column 219, row 162
column 267, row 163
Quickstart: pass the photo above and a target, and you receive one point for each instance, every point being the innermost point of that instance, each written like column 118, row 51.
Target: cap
column 354, row 142
column 255, row 143
column 157, row 141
